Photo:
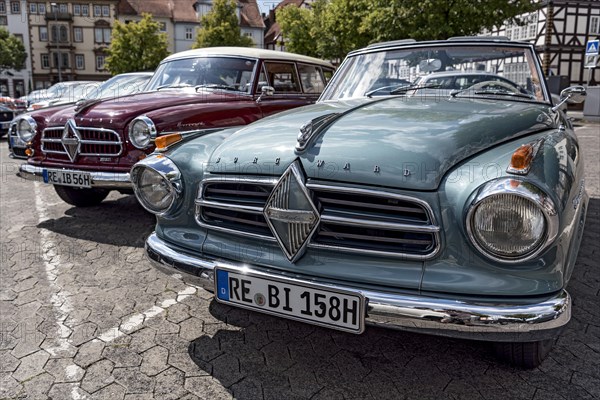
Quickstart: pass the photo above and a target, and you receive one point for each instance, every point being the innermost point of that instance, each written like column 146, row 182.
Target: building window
column 595, row 25
column 189, row 33
column 85, row 10
column 77, row 9
column 15, row 7
column 64, row 59
column 63, row 8
column 43, row 33
column 3, row 20
column 32, row 8
column 77, row 34
column 97, row 11
column 45, row 61
column 248, row 34
column 100, row 63
column 163, row 26
column 79, row 61
column 64, row 37
column 41, row 8
column 102, row 35
column 2, row 7
column 105, row 11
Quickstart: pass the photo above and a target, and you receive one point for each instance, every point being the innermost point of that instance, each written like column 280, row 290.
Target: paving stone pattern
column 84, row 316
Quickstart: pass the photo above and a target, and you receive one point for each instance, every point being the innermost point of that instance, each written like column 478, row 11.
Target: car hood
column 405, row 143
column 118, row 111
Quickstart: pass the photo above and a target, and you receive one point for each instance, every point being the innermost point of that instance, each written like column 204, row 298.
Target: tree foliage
column 335, row 27
column 220, row 27
column 136, row 46
column 12, row 51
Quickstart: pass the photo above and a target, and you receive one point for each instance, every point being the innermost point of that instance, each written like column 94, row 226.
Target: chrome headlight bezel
column 151, row 134
column 170, row 174
column 525, row 190
column 32, row 127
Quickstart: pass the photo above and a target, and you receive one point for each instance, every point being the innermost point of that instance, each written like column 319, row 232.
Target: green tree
column 136, row 46
column 220, row 27
column 12, row 52
column 297, row 24
column 439, row 19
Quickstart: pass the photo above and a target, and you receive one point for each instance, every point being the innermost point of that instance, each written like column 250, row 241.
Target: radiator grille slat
column 352, row 220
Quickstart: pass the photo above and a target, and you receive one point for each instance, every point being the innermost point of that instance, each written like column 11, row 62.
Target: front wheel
column 525, row 355
column 81, row 197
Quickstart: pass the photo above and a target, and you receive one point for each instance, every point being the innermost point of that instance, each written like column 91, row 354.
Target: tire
column 525, row 355
column 81, row 197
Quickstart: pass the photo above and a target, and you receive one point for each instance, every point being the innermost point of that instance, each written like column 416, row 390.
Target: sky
column 266, row 5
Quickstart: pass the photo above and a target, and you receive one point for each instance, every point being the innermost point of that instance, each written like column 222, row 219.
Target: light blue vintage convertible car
column 449, row 211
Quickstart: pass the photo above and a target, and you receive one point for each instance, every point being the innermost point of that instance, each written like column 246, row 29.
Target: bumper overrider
column 101, row 180
column 527, row 322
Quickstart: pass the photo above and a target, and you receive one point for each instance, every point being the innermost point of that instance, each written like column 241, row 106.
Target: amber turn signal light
column 29, row 152
column 162, row 142
column 522, row 157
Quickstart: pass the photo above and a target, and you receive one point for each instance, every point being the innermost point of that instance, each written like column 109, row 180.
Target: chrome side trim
column 104, row 180
column 377, row 224
column 532, row 193
column 475, row 320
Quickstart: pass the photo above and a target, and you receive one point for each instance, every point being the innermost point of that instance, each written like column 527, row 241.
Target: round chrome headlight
column 142, row 132
column 26, row 128
column 157, row 184
column 511, row 220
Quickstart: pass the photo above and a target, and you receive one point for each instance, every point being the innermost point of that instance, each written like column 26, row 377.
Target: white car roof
column 246, row 52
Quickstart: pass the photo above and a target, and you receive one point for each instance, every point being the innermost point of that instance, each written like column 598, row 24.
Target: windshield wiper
column 173, row 86
column 402, row 89
column 494, row 93
column 217, row 86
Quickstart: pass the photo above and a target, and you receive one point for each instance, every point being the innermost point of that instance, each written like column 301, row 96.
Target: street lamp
column 58, row 59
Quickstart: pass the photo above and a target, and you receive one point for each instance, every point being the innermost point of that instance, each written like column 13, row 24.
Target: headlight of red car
column 142, row 132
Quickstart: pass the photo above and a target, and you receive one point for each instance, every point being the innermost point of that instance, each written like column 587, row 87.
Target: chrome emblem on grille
column 71, row 139
column 291, row 213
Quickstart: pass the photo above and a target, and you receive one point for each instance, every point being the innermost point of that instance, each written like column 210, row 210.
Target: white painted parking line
column 60, row 298
column 136, row 320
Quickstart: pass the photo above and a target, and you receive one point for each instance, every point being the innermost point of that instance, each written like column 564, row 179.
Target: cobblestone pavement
column 83, row 315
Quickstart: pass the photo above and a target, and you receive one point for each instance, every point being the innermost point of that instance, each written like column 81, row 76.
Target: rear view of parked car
column 88, row 150
column 448, row 211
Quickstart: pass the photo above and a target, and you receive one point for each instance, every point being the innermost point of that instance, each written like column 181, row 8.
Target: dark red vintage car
column 88, row 149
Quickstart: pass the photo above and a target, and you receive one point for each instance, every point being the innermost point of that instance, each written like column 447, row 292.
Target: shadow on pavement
column 120, row 222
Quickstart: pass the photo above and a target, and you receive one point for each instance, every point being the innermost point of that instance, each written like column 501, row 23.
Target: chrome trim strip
column 202, row 224
column 104, row 180
column 379, row 225
column 233, row 207
column 475, row 320
column 532, row 193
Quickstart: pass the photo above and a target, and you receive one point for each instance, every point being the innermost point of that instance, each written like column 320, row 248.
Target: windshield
column 476, row 70
column 227, row 73
column 120, row 85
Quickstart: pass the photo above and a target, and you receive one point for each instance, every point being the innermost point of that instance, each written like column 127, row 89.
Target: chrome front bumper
column 104, row 180
column 436, row 316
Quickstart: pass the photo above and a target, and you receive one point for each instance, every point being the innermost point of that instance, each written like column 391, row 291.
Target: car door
column 283, row 76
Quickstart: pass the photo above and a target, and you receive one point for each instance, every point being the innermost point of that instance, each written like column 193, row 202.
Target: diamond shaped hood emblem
column 71, row 140
column 290, row 213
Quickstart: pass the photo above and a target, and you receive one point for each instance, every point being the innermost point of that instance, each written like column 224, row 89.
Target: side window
column 311, row 78
column 327, row 73
column 282, row 77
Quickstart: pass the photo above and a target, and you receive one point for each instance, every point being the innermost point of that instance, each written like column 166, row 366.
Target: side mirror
column 269, row 91
column 265, row 91
column 572, row 94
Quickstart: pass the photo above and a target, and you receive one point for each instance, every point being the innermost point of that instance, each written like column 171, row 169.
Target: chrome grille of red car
column 93, row 141
column 352, row 220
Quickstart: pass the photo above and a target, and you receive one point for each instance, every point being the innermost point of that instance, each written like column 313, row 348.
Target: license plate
column 67, row 178
column 313, row 304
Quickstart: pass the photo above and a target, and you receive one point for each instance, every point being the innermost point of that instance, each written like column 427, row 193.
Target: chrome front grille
column 94, row 141
column 352, row 220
